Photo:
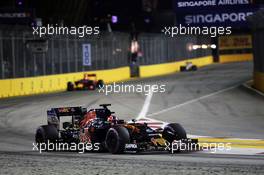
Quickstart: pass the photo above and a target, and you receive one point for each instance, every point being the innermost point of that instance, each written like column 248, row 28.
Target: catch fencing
column 64, row 53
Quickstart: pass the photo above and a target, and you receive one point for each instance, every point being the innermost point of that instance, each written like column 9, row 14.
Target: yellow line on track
column 237, row 143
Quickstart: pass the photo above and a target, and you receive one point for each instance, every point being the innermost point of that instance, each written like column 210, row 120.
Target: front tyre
column 116, row 139
column 174, row 131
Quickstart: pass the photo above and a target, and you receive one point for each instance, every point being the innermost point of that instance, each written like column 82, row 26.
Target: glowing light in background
column 114, row 19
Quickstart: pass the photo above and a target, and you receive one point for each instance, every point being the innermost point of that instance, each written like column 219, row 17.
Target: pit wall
column 53, row 83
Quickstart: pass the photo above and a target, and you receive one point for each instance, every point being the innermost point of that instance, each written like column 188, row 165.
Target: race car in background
column 189, row 66
column 89, row 82
column 102, row 126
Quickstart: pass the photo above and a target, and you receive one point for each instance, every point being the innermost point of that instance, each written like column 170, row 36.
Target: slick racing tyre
column 46, row 133
column 70, row 86
column 100, row 84
column 183, row 68
column 116, row 139
column 174, row 131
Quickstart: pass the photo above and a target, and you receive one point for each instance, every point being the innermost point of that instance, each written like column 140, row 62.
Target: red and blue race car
column 102, row 128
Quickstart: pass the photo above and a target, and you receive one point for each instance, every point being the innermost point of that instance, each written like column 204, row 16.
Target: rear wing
column 67, row 111
column 87, row 76
column 54, row 114
column 91, row 75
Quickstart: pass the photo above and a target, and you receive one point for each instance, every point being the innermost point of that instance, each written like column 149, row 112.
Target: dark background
column 132, row 15
column 137, row 14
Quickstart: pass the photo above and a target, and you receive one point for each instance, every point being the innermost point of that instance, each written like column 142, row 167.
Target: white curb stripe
column 145, row 107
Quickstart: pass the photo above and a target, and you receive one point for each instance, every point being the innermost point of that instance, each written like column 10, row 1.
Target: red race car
column 89, row 82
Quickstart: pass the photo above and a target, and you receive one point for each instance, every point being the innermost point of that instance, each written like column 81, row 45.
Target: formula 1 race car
column 102, row 127
column 89, row 82
column 189, row 66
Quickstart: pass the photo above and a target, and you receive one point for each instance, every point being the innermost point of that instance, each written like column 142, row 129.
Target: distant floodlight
column 114, row 19
column 195, row 47
column 189, row 46
column 19, row 2
column 213, row 46
column 147, row 20
column 204, row 46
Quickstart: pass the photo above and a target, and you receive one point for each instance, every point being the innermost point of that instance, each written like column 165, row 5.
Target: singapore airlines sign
column 207, row 3
column 217, row 18
column 214, row 12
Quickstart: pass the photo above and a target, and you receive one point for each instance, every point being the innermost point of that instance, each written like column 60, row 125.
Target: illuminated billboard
column 214, row 12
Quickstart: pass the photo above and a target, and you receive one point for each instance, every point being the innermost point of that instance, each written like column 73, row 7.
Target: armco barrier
column 168, row 68
column 51, row 83
column 235, row 57
column 259, row 81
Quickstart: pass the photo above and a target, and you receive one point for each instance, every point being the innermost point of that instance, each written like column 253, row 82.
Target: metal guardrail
column 158, row 48
column 64, row 54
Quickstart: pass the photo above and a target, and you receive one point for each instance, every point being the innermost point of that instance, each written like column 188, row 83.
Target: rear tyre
column 116, row 139
column 174, row 131
column 182, row 68
column 89, row 86
column 100, row 84
column 45, row 134
column 70, row 86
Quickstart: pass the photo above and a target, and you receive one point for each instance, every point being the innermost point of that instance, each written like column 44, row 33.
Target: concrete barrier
column 235, row 57
column 168, row 68
column 259, row 81
column 53, row 83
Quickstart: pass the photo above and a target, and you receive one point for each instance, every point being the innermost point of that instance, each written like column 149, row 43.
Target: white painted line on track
column 251, row 88
column 153, row 123
column 145, row 108
column 192, row 101
column 146, row 105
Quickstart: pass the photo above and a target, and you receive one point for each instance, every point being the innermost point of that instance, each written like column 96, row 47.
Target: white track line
column 252, row 89
column 145, row 108
column 191, row 101
column 146, row 105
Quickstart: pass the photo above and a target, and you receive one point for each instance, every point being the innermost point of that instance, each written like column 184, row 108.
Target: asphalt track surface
column 209, row 102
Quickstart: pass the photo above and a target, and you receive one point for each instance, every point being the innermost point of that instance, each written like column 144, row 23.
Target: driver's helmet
column 85, row 76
